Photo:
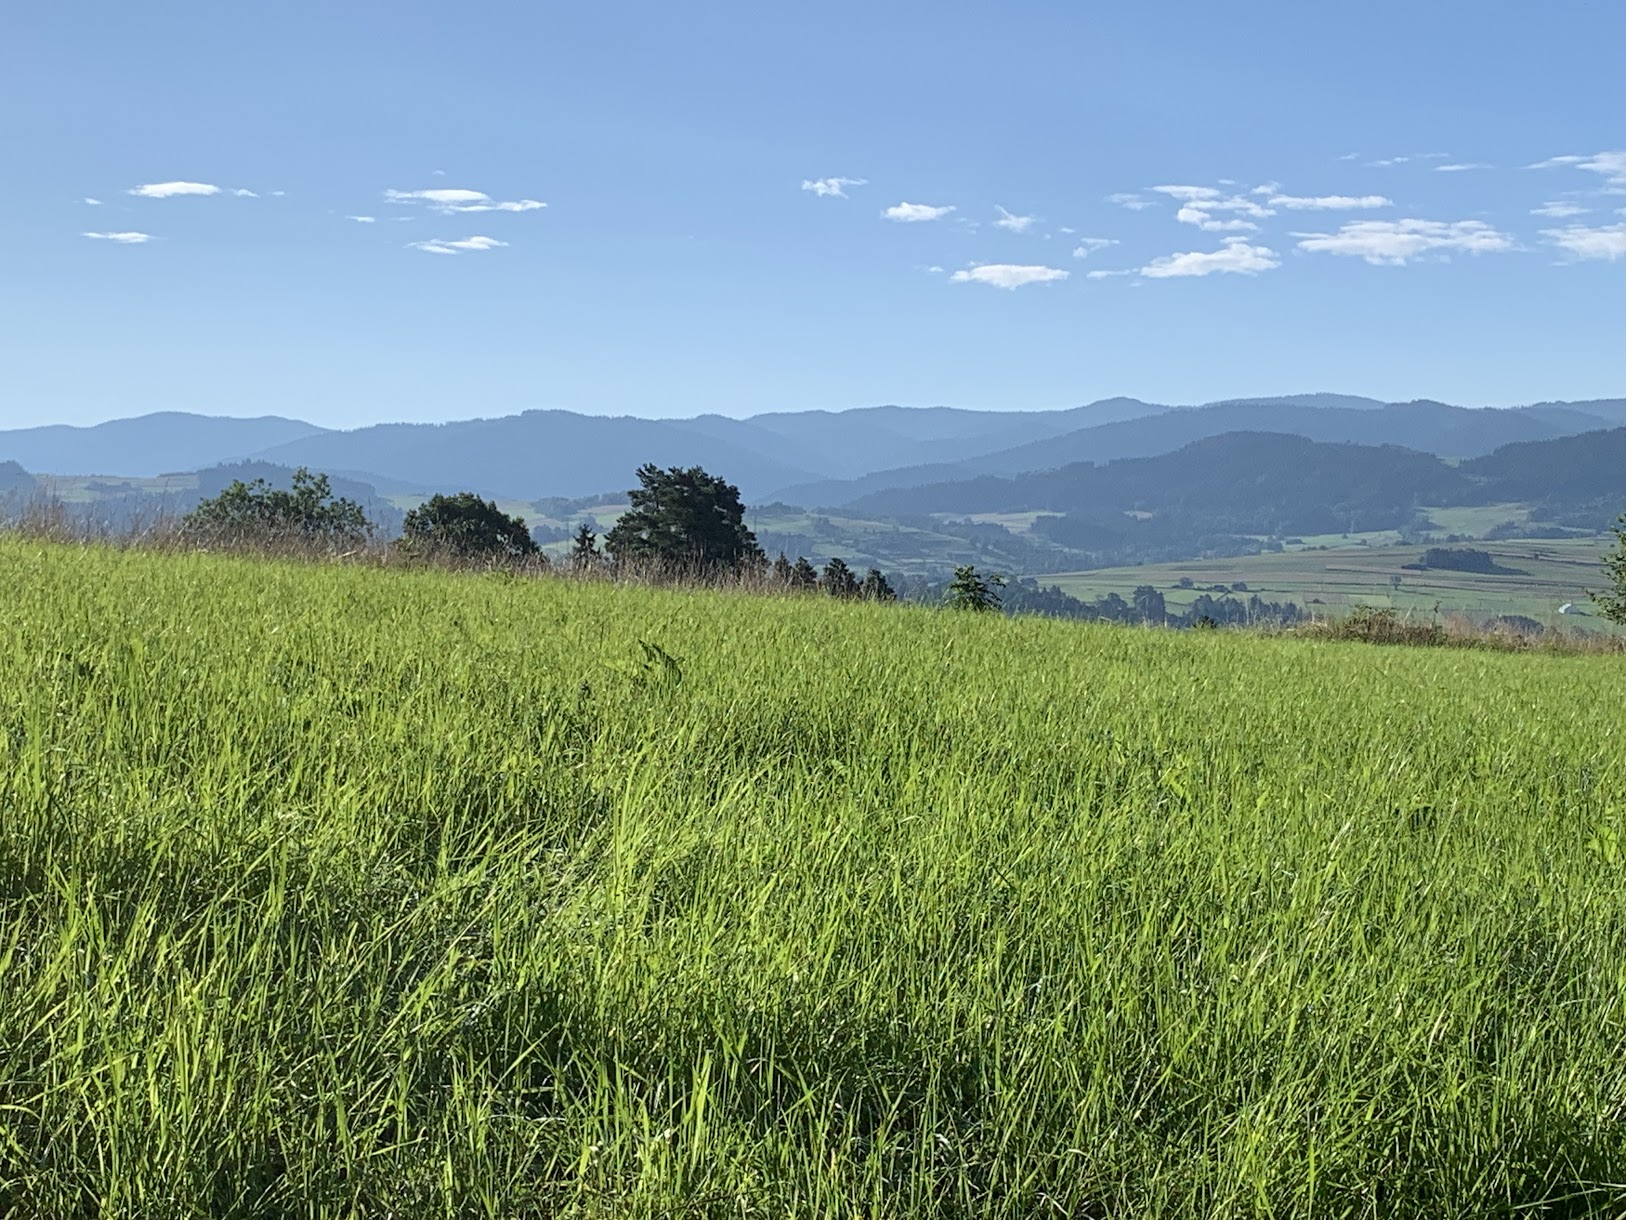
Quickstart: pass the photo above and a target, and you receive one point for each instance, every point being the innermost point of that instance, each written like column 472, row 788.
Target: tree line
column 685, row 522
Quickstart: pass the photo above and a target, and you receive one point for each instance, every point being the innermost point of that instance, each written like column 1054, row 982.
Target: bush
column 258, row 514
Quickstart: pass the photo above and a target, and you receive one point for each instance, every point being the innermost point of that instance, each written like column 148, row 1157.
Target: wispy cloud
column 1611, row 165
column 244, row 193
column 1012, row 223
column 1558, row 209
column 1394, row 243
column 123, row 239
column 1107, row 275
column 913, row 213
column 1458, row 167
column 1008, row 275
column 1132, row 201
column 446, row 245
column 168, row 190
column 1236, row 257
column 1386, row 162
column 1089, row 245
column 363, row 220
column 832, row 187
column 456, row 200
column 1329, row 203
column 95, row 203
column 1607, row 242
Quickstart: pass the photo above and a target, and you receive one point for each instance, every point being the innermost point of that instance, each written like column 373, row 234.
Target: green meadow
column 1543, row 574
column 358, row 890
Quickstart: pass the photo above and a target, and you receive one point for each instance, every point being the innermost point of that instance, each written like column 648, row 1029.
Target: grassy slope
column 1349, row 576
column 329, row 888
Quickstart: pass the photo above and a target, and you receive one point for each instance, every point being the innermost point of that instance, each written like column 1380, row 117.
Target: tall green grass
column 332, row 891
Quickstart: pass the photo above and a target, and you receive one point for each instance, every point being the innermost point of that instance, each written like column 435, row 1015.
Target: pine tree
column 838, row 579
column 584, row 550
column 970, row 590
column 803, row 576
column 782, row 571
column 875, row 587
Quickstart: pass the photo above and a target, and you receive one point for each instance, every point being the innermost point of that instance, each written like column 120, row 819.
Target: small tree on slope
column 1612, row 601
column 971, row 590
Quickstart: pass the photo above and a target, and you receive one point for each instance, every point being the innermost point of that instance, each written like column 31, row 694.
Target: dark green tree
column 686, row 518
column 1149, row 604
column 584, row 550
column 803, row 575
column 305, row 512
column 781, row 570
column 466, row 527
column 875, row 587
column 1612, row 601
column 971, row 590
column 838, row 580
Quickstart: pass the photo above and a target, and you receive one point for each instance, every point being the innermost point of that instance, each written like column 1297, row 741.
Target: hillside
column 1429, row 427
column 330, row 890
column 1267, row 483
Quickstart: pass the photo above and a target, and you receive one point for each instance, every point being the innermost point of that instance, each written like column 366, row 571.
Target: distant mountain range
column 814, row 458
column 1274, row 484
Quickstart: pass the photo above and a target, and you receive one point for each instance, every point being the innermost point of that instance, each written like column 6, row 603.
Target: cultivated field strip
column 329, row 890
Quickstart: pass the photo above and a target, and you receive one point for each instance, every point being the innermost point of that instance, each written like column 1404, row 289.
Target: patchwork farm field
column 342, row 890
column 1544, row 575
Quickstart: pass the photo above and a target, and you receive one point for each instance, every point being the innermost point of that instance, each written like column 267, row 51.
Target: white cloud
column 1089, row 245
column 1328, row 203
column 95, row 203
column 442, row 196
column 912, row 213
column 242, row 193
column 455, row 200
column 1008, row 275
column 1011, row 223
column 1396, row 242
column 1607, row 242
column 1192, row 214
column 167, row 190
column 1127, row 199
column 1107, row 275
column 1198, row 203
column 837, row 187
column 1559, row 210
column 362, row 220
column 1458, row 167
column 506, row 205
column 1611, row 165
column 446, row 245
column 1188, row 193
column 1237, row 257
column 123, row 239
column 1386, row 162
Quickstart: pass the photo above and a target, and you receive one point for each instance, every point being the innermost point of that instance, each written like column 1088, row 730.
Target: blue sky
column 661, row 209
